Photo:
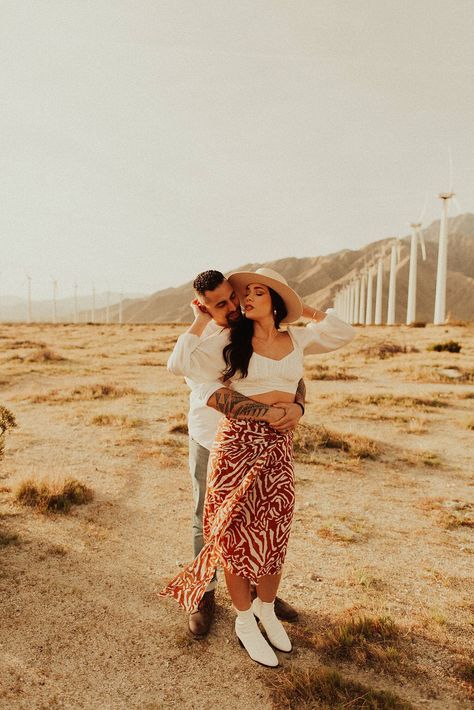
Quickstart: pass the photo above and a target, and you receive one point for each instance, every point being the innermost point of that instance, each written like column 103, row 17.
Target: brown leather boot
column 199, row 622
column 283, row 610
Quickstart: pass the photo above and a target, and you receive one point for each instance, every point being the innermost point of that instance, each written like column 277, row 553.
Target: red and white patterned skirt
column 248, row 511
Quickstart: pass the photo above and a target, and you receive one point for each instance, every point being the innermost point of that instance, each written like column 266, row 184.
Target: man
column 215, row 308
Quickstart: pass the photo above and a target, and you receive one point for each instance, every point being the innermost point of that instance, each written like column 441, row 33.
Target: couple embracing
column 247, row 396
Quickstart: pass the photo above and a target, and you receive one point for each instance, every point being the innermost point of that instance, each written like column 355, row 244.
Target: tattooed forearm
column 237, row 406
column 300, row 396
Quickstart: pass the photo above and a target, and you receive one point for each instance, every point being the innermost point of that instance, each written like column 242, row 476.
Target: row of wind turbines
column 88, row 314
column 354, row 302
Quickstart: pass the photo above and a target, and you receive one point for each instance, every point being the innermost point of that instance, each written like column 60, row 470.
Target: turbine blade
column 457, row 203
column 451, row 178
column 423, row 210
column 422, row 242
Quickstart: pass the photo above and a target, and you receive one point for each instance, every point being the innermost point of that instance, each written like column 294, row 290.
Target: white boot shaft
column 252, row 640
column 274, row 629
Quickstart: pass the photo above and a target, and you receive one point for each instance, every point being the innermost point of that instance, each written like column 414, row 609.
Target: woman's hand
column 289, row 420
column 313, row 313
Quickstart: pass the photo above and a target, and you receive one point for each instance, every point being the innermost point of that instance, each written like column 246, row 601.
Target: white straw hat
column 239, row 281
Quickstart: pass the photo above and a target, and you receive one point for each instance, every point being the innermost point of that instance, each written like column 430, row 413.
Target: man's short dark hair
column 207, row 281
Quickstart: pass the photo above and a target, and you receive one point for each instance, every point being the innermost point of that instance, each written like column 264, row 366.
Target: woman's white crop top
column 266, row 375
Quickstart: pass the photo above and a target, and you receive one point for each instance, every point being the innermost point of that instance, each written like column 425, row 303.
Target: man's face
column 222, row 304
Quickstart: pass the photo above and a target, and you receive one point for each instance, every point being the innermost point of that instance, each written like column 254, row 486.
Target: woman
column 250, row 487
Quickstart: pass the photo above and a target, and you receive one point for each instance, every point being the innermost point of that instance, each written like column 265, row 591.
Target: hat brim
column 239, row 281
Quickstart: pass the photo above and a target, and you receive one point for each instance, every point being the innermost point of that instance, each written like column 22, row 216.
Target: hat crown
column 271, row 274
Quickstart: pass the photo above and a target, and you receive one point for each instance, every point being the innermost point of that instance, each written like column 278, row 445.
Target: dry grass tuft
column 308, row 439
column 365, row 641
column 424, row 458
column 323, row 372
column 120, row 420
column 23, row 344
column 339, row 533
column 83, row 393
column 7, row 421
column 415, row 426
column 465, row 671
column 165, row 346
column 449, row 373
column 386, row 349
column 45, row 354
column 390, row 400
column 451, row 514
column 449, row 346
column 7, row 538
column 322, row 687
column 53, row 496
column 178, row 424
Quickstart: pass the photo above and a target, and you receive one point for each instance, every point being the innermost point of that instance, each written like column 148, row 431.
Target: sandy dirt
column 81, row 624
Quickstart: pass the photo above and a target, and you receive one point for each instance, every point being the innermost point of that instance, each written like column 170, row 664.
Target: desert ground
column 381, row 558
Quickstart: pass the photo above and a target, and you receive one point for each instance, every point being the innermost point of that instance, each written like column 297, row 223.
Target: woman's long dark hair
column 238, row 352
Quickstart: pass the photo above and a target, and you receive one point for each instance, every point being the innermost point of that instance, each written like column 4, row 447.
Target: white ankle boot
column 274, row 629
column 252, row 640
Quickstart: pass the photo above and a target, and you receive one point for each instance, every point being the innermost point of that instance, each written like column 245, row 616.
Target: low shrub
column 53, row 496
column 310, row 438
column 386, row 349
column 7, row 421
column 299, row 688
column 450, row 346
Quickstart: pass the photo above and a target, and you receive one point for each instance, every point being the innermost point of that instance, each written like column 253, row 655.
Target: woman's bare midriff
column 273, row 397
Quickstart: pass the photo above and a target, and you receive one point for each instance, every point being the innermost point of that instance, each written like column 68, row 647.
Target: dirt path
column 81, row 624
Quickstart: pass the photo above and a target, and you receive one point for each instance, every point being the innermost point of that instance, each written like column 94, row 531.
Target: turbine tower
column 441, row 274
column 75, row 302
column 55, row 294
column 93, row 305
column 28, row 278
column 378, row 293
column 370, row 289
column 362, row 300
column 120, row 314
column 392, row 285
column 356, row 300
column 416, row 236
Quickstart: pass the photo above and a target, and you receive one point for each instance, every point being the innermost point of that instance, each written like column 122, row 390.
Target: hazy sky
column 144, row 141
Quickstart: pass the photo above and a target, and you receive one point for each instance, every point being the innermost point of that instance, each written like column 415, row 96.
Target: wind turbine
column 55, row 293
column 392, row 284
column 351, row 303
column 416, row 236
column 370, row 289
column 378, row 293
column 93, row 305
column 356, row 300
column 362, row 300
column 75, row 302
column 28, row 279
column 442, row 271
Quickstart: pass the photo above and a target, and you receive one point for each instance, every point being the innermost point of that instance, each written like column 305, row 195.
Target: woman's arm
column 237, row 406
column 325, row 332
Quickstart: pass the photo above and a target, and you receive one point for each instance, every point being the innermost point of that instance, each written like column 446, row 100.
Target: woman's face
column 257, row 302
